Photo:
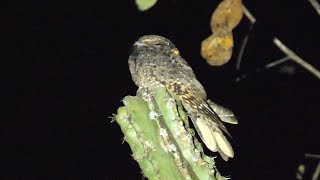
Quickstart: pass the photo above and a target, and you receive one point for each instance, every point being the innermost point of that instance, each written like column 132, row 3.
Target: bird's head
column 157, row 43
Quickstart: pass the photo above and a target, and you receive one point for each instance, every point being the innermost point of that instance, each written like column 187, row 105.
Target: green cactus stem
column 157, row 130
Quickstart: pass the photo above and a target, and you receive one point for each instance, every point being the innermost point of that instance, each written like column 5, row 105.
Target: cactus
column 157, row 130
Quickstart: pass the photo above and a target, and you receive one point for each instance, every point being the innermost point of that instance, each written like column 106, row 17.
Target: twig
column 270, row 65
column 296, row 58
column 252, row 20
column 313, row 156
column 277, row 62
column 316, row 172
column 243, row 45
column 316, row 5
column 247, row 13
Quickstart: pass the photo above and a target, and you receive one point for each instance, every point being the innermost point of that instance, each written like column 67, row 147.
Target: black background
column 65, row 72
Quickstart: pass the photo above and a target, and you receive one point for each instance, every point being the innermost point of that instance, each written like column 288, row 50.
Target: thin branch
column 316, row 172
column 252, row 20
column 296, row 58
column 247, row 13
column 270, row 65
column 316, row 5
column 277, row 62
column 313, row 156
column 243, row 45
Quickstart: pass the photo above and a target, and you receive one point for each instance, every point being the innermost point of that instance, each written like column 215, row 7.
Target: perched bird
column 155, row 61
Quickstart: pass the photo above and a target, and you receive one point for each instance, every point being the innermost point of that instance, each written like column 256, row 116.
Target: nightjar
column 155, row 61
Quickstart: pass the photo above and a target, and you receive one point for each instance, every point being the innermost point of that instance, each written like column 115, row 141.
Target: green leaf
column 145, row 4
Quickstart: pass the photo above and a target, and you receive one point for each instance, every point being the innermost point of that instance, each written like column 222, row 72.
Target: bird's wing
column 225, row 114
column 177, row 69
column 181, row 83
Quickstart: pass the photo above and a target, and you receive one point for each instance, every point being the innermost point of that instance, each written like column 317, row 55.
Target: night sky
column 65, row 73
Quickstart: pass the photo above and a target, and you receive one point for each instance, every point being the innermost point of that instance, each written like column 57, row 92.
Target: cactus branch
column 156, row 128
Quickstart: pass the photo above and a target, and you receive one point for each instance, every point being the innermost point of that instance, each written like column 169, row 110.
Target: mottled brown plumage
column 155, row 61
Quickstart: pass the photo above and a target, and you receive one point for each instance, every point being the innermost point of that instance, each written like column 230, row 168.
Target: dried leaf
column 217, row 48
column 227, row 15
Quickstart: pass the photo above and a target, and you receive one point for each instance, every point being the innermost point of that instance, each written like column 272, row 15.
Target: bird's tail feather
column 212, row 136
column 210, row 132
